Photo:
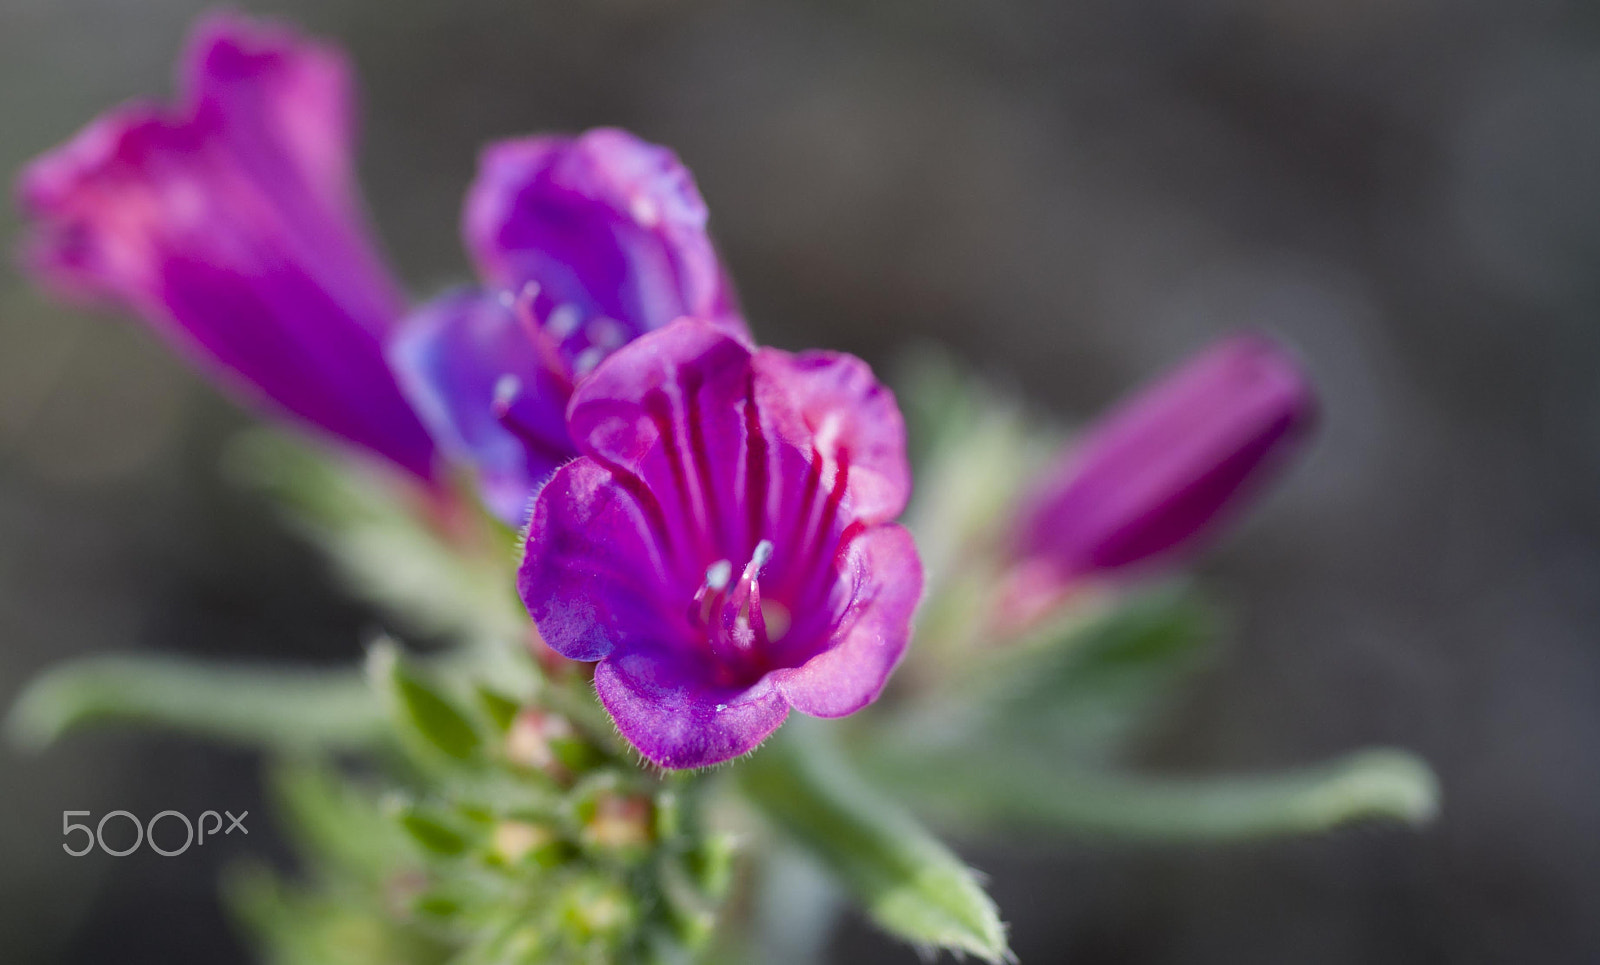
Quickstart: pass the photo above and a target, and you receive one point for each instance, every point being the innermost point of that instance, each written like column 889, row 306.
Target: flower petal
column 603, row 222
column 453, row 356
column 886, row 584
column 678, row 722
column 849, row 418
column 593, row 576
column 230, row 228
column 280, row 98
column 669, row 409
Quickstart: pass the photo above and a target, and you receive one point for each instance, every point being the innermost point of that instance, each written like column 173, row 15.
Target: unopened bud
column 530, row 741
column 620, row 822
column 597, row 909
column 514, row 842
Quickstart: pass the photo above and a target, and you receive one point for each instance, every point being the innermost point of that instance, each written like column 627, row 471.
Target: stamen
column 717, row 576
column 506, row 390
column 564, row 321
column 731, row 612
column 587, row 360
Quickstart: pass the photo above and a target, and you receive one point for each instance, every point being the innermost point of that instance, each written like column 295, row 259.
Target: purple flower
column 584, row 244
column 1152, row 480
column 723, row 546
column 230, row 222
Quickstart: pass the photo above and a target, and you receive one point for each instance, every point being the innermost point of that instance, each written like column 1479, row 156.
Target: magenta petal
column 231, row 226
column 593, row 578
column 1154, row 478
column 709, row 546
column 279, row 98
column 849, row 417
column 604, row 222
column 613, row 413
column 886, row 584
column 679, row 723
column 453, row 357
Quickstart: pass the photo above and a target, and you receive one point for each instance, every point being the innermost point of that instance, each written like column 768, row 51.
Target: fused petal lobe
column 884, row 580
column 679, row 723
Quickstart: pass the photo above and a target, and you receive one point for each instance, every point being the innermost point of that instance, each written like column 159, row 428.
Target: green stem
column 1371, row 785
column 290, row 710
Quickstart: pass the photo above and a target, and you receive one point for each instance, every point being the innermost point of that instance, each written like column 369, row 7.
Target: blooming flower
column 723, row 546
column 1151, row 481
column 230, row 222
column 583, row 244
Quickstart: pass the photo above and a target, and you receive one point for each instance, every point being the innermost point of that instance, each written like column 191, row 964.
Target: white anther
column 506, row 390
column 587, row 360
column 762, row 554
column 564, row 320
column 718, row 574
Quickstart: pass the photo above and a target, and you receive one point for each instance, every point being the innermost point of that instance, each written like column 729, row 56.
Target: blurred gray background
column 1072, row 195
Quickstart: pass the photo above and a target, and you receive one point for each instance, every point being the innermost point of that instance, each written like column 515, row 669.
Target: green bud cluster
column 520, row 835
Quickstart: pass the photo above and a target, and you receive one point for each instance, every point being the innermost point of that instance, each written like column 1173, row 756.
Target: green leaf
column 500, row 709
column 421, row 708
column 258, row 706
column 432, row 832
column 907, row 881
column 335, row 823
column 1092, row 687
column 986, row 788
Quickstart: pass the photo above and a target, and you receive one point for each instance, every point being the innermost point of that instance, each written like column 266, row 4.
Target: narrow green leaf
column 986, row 789
column 432, row 832
column 500, row 709
column 908, row 882
column 425, row 711
column 259, row 706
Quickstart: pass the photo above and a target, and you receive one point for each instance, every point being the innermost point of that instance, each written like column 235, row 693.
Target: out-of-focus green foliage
column 905, row 879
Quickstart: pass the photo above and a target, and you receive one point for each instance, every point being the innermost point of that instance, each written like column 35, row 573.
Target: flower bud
column 618, row 823
column 513, row 842
column 531, row 742
column 1151, row 481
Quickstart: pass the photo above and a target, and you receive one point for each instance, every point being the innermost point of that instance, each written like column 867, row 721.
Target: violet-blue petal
column 231, row 224
column 682, row 723
column 1151, row 481
column 463, row 358
column 604, row 222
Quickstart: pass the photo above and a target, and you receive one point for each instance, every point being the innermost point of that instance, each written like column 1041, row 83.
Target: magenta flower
column 231, row 224
column 1151, row 481
column 583, row 244
column 723, row 546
